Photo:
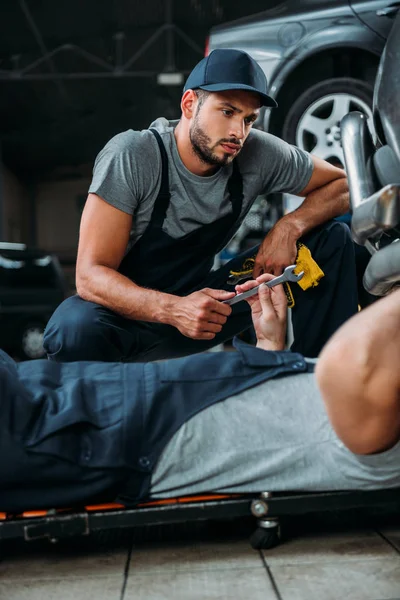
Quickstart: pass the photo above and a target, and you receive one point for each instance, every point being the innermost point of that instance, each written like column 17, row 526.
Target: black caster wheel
column 265, row 538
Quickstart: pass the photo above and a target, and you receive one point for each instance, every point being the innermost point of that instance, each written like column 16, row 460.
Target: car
column 373, row 174
column 32, row 285
column 320, row 58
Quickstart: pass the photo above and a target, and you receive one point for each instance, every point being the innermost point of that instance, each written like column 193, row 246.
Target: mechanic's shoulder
column 258, row 147
column 131, row 142
column 263, row 139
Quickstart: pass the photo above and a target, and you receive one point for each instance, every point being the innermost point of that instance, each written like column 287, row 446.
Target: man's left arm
column 326, row 196
column 268, row 312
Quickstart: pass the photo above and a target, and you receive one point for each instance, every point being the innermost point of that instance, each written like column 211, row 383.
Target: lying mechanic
column 246, row 421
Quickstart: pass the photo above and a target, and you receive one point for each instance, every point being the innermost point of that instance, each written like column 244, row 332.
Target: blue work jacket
column 84, row 432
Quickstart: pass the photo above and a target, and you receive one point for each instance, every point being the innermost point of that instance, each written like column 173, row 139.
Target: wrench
column 287, row 275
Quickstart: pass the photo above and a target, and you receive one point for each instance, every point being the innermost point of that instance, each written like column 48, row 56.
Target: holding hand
column 201, row 315
column 269, row 312
column 277, row 250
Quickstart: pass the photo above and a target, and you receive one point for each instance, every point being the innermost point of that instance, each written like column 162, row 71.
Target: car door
column 377, row 14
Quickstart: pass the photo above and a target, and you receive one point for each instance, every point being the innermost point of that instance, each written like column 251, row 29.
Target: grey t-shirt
column 127, row 174
column 273, row 437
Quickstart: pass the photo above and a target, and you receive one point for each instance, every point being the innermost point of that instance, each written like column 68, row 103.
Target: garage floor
column 349, row 556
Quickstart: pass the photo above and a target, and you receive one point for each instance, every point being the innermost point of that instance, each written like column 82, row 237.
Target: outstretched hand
column 269, row 312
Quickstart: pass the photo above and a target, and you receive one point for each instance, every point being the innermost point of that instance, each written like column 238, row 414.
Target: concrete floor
column 326, row 557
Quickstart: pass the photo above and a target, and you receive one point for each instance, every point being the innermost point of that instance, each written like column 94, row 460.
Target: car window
column 25, row 272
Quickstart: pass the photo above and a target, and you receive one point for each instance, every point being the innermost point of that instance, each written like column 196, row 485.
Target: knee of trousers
column 331, row 240
column 73, row 331
column 339, row 234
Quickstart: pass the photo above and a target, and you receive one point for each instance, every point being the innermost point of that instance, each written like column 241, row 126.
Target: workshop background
column 75, row 73
column 72, row 75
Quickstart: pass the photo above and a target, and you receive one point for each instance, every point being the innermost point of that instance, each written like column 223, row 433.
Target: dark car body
column 32, row 285
column 310, row 50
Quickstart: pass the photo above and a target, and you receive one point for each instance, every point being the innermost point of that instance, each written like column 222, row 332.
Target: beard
column 202, row 147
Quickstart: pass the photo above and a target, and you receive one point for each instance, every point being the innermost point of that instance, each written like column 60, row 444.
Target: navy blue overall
column 79, row 433
column 177, row 266
column 81, row 330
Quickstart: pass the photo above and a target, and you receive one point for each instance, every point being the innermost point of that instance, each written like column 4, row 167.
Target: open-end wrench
column 287, row 275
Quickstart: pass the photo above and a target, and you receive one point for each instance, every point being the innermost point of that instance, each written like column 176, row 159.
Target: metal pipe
column 376, row 214
column 21, row 73
column 39, row 39
column 370, row 247
column 188, row 40
column 145, row 46
column 383, row 270
column 357, row 148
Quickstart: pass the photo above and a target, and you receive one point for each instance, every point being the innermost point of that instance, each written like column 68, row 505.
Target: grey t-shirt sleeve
column 126, row 170
column 283, row 167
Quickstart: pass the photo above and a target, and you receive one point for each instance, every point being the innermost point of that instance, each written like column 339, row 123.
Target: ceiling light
column 173, row 78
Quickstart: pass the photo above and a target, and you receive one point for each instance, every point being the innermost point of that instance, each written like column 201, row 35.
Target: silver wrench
column 287, row 275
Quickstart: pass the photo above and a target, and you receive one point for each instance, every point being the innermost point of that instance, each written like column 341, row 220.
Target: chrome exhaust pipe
column 376, row 214
column 357, row 147
column 383, row 270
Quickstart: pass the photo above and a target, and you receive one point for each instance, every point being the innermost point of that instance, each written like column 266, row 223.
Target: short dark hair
column 202, row 96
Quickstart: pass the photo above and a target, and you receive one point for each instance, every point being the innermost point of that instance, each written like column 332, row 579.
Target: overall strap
column 235, row 188
column 162, row 201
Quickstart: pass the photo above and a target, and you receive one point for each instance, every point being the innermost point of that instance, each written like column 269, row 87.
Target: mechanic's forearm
column 109, row 288
column 358, row 375
column 318, row 207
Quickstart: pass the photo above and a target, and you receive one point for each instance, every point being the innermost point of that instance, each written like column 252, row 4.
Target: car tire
column 313, row 121
column 31, row 341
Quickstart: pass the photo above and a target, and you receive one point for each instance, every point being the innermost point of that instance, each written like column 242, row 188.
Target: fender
column 355, row 35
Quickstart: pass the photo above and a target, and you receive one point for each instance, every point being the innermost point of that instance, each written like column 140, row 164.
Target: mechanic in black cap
column 164, row 201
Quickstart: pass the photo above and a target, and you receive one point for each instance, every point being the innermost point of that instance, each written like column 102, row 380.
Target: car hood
column 290, row 10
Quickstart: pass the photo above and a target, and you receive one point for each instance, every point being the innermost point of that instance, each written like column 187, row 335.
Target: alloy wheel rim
column 318, row 130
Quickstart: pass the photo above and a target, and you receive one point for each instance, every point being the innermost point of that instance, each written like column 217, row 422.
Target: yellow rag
column 304, row 262
column 312, row 272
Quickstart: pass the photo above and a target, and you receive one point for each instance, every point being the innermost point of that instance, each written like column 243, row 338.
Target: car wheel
column 31, row 342
column 313, row 121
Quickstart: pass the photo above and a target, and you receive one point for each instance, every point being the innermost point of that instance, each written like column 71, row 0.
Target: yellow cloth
column 304, row 262
column 312, row 272
column 246, row 270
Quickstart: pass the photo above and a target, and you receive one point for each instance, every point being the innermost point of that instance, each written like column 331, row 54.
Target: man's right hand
column 201, row 315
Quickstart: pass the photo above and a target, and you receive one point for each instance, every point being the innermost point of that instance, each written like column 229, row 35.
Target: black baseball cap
column 227, row 69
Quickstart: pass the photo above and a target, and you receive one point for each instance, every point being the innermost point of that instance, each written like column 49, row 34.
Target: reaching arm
column 359, row 378
column 268, row 312
column 326, row 197
column 104, row 235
